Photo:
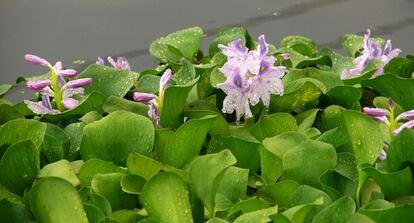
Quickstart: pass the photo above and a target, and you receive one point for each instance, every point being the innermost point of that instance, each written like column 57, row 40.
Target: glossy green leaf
column 60, row 169
column 95, row 166
column 345, row 96
column 56, row 143
column 11, row 211
column 108, row 81
column 280, row 192
column 8, row 112
column 232, row 187
column 109, row 186
column 404, row 214
column 260, row 216
column 206, row 173
column 308, row 161
column 4, row 88
column 174, row 101
column 305, row 194
column 272, row 125
column 366, row 145
column 400, row 152
column 142, row 165
column 397, row 88
column 282, row 143
column 271, row 165
column 114, row 103
column 187, row 42
column 248, row 205
column 181, row 151
column 55, row 200
column 19, row 130
column 400, row 66
column 115, row 136
column 132, row 184
column 329, row 79
column 165, row 197
column 19, row 166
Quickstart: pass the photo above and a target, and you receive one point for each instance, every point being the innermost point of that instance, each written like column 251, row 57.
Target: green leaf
column 74, row 132
column 206, row 173
column 297, row 95
column 359, row 218
column 19, row 166
column 400, row 152
column 354, row 43
column 19, row 130
column 400, row 66
column 345, row 96
column 90, row 117
column 303, row 213
column 93, row 213
column 187, row 42
column 126, row 216
column 282, row 143
column 271, row 166
column 404, row 214
column 108, row 81
column 232, row 187
column 244, row 149
column 181, row 151
column 95, row 166
column 132, row 184
column 306, row 119
column 397, row 88
column 300, row 44
column 60, row 169
column 165, row 197
column 185, row 74
column 173, row 104
column 92, row 102
column 394, row 184
column 308, row 161
column 260, row 216
column 4, row 88
column 56, row 143
column 305, row 194
column 55, row 200
column 114, row 103
column 227, row 35
column 8, row 112
column 274, row 124
column 149, row 83
column 115, row 136
column 280, row 192
column 328, row 78
column 11, row 211
column 366, row 145
column 109, row 186
column 142, row 165
column 249, row 205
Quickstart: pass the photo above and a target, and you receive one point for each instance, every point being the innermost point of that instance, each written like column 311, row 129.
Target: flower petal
column 37, row 85
column 78, row 83
column 70, row 103
column 68, row 73
column 33, row 59
column 143, row 97
column 165, row 79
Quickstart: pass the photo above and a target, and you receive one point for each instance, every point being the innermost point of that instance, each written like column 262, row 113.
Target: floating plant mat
column 249, row 131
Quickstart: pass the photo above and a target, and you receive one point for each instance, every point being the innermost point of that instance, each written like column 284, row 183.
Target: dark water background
column 70, row 30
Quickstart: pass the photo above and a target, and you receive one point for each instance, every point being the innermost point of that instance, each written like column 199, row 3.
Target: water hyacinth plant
column 248, row 131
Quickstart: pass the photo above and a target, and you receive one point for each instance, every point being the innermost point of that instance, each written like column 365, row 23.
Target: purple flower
column 250, row 77
column 42, row 107
column 33, row 59
column 407, row 125
column 120, row 64
column 37, row 85
column 58, row 88
column 370, row 52
column 153, row 101
column 382, row 155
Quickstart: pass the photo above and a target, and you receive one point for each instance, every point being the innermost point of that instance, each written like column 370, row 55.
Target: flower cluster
column 370, row 52
column 250, row 77
column 387, row 116
column 61, row 90
column 153, row 101
column 120, row 64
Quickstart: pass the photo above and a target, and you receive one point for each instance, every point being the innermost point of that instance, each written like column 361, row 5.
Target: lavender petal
column 37, row 85
column 33, row 59
column 143, row 97
column 78, row 83
column 165, row 79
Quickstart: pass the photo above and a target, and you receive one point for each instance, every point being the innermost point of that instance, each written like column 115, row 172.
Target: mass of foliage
column 310, row 155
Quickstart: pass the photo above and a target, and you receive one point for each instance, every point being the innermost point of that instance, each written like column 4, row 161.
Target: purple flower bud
column 383, row 155
column 375, row 112
column 143, row 97
column 407, row 125
column 124, row 63
column 68, row 73
column 263, row 45
column 100, row 61
column 78, row 83
column 37, row 85
column 408, row 115
column 390, row 103
column 285, row 56
column 58, row 66
column 70, row 103
column 165, row 79
column 36, row 60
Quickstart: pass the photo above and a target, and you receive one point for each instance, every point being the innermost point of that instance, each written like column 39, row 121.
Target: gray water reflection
column 78, row 29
